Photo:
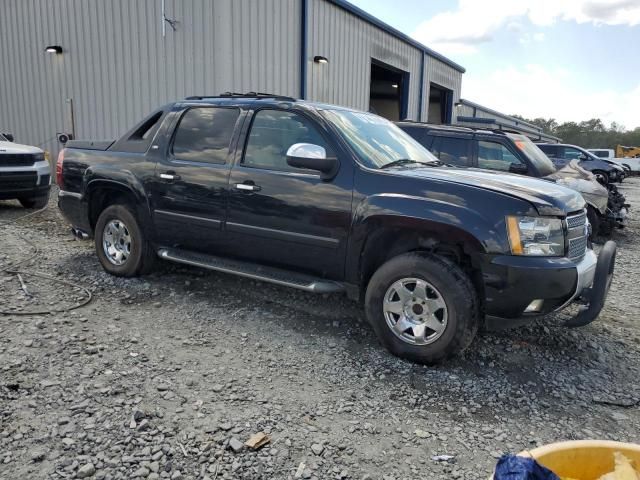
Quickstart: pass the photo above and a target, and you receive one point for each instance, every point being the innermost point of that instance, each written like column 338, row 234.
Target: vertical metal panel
column 349, row 43
column 117, row 66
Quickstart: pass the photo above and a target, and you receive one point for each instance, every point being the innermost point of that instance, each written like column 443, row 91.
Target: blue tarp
column 512, row 467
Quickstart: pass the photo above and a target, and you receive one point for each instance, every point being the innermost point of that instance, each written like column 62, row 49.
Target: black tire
column 35, row 202
column 141, row 258
column 594, row 219
column 603, row 175
column 455, row 288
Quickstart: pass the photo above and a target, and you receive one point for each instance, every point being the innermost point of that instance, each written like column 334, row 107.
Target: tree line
column 588, row 134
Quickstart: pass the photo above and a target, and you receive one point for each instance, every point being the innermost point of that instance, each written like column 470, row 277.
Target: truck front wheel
column 422, row 307
column 120, row 243
column 35, row 202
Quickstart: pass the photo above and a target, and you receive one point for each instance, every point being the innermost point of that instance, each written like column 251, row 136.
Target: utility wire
column 11, row 269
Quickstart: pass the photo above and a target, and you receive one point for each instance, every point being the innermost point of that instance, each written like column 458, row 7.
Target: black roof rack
column 243, row 95
column 437, row 126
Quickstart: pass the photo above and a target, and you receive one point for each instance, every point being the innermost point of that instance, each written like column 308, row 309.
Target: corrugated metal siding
column 117, row 66
column 441, row 74
column 349, row 43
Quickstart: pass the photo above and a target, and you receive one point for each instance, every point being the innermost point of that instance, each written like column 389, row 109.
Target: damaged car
column 327, row 199
column 516, row 153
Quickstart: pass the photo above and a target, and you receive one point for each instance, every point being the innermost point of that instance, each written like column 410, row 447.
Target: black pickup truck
column 328, row 199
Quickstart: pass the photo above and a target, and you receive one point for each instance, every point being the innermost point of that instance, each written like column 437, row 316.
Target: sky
column 571, row 60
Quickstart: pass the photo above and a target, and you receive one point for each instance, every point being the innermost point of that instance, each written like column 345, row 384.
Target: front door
column 191, row 182
column 284, row 213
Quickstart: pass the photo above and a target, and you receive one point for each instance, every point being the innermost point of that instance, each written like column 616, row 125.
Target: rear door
column 286, row 216
column 190, row 186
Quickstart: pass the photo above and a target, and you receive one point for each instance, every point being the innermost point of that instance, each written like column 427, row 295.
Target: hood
column 577, row 178
column 10, row 147
column 613, row 164
column 547, row 197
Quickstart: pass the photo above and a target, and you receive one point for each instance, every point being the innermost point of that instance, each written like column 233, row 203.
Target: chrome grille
column 17, row 159
column 577, row 235
column 577, row 220
column 577, row 247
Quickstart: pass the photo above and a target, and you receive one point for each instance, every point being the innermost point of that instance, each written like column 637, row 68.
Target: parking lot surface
column 167, row 376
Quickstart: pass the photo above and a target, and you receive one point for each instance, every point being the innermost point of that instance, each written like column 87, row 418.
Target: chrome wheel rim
column 415, row 311
column 116, row 242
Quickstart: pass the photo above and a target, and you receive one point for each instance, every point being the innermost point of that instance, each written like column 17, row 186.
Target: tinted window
column 204, row 134
column 550, row 150
column 452, row 150
column 572, row 154
column 495, row 156
column 272, row 133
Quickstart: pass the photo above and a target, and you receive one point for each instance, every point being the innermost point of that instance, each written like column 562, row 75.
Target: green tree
column 593, row 133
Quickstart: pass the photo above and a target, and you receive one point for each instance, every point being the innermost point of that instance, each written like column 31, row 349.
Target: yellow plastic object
column 583, row 459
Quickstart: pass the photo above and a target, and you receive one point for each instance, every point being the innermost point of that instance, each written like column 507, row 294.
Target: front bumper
column 25, row 181
column 520, row 288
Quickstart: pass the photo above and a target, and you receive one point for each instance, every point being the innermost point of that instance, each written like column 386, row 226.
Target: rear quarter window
column 204, row 134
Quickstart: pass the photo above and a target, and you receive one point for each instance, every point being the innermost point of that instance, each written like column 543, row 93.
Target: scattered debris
column 257, row 440
column 442, row 458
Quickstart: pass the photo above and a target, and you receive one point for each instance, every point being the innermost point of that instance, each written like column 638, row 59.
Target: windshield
column 600, row 153
column 377, row 141
column 534, row 154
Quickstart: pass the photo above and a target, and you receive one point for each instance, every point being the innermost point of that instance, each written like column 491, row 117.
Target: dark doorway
column 440, row 104
column 388, row 92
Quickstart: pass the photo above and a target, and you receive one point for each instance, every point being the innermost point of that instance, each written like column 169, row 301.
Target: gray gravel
column 169, row 375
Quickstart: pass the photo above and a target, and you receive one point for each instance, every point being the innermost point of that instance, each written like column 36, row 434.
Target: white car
column 25, row 173
column 609, row 154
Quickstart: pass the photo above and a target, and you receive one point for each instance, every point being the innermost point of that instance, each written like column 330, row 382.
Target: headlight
column 38, row 157
column 536, row 236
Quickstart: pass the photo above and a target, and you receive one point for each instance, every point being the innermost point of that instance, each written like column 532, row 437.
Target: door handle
column 247, row 187
column 169, row 176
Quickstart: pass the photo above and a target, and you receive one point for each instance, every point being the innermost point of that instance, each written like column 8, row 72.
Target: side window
column 550, row 150
column 495, row 156
column 204, row 134
column 573, row 154
column 452, row 150
column 272, row 133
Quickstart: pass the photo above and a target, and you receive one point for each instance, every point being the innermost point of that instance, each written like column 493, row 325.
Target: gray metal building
column 113, row 61
column 470, row 114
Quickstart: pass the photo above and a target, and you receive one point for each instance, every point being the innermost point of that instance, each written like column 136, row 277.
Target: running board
column 278, row 276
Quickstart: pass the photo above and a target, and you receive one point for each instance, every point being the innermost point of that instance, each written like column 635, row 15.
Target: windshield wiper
column 404, row 161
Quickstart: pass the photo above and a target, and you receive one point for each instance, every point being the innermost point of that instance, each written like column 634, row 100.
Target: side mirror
column 519, row 168
column 312, row 157
column 9, row 136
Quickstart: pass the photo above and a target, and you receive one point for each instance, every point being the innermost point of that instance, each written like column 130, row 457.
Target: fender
column 439, row 215
column 124, row 181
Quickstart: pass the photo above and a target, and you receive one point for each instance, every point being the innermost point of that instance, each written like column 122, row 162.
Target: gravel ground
column 167, row 376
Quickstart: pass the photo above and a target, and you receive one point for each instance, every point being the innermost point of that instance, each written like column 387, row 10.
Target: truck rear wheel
column 120, row 243
column 422, row 307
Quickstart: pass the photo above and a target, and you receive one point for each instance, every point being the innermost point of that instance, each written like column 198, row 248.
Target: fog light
column 534, row 306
